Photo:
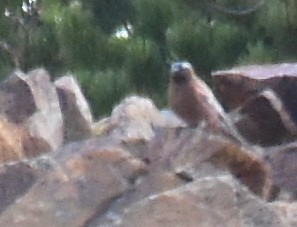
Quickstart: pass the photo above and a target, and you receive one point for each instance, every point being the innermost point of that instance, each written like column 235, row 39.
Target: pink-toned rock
column 210, row 201
column 288, row 211
column 178, row 157
column 85, row 178
column 10, row 142
column 239, row 84
column 75, row 109
column 135, row 118
column 31, row 102
column 283, row 168
column 139, row 171
column 15, row 180
column 264, row 120
column 194, row 151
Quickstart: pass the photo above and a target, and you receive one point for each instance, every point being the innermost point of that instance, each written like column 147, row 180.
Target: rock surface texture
column 75, row 109
column 237, row 85
column 141, row 166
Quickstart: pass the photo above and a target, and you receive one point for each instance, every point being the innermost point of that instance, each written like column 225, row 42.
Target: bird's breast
column 184, row 103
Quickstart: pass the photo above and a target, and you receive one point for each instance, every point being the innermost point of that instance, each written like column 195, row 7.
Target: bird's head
column 181, row 72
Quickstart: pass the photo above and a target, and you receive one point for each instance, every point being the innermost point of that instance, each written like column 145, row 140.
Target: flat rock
column 211, row 201
column 84, row 179
column 75, row 109
column 264, row 120
column 239, row 84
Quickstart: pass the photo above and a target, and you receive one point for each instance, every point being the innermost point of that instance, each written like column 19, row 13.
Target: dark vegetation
column 118, row 47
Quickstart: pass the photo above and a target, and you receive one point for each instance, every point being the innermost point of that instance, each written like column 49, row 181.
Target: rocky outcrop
column 141, row 166
column 218, row 201
column 29, row 103
column 237, row 85
column 75, row 109
column 37, row 116
column 84, row 179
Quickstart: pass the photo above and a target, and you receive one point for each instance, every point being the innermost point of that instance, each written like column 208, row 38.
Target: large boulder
column 218, row 201
column 134, row 120
column 239, row 84
column 195, row 153
column 75, row 109
column 264, row 120
column 30, row 103
column 144, row 168
column 84, row 179
column 194, row 177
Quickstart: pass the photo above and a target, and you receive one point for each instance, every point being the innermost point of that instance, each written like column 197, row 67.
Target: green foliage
column 258, row 54
column 81, row 36
column 207, row 46
column 228, row 42
column 191, row 41
column 79, row 40
column 144, row 67
column 154, row 18
column 103, row 89
column 110, row 14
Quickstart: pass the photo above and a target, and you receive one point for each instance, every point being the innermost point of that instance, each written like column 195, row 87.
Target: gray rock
column 75, row 109
column 237, row 85
column 264, row 120
column 31, row 103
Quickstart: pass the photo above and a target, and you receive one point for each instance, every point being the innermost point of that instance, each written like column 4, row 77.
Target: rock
column 179, row 157
column 31, row 103
column 86, row 177
column 196, row 152
column 264, row 120
column 15, row 180
column 288, row 211
column 283, row 168
column 239, row 84
column 210, row 201
column 144, row 168
column 171, row 119
column 135, row 119
column 10, row 142
column 75, row 109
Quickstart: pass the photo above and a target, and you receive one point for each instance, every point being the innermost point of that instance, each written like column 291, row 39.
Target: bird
column 190, row 97
column 194, row 102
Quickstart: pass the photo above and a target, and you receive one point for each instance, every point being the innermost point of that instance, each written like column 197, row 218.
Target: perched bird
column 193, row 101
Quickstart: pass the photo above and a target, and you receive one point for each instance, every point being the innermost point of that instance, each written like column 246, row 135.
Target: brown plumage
column 192, row 99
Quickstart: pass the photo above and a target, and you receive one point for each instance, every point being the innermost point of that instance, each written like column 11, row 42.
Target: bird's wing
column 210, row 107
